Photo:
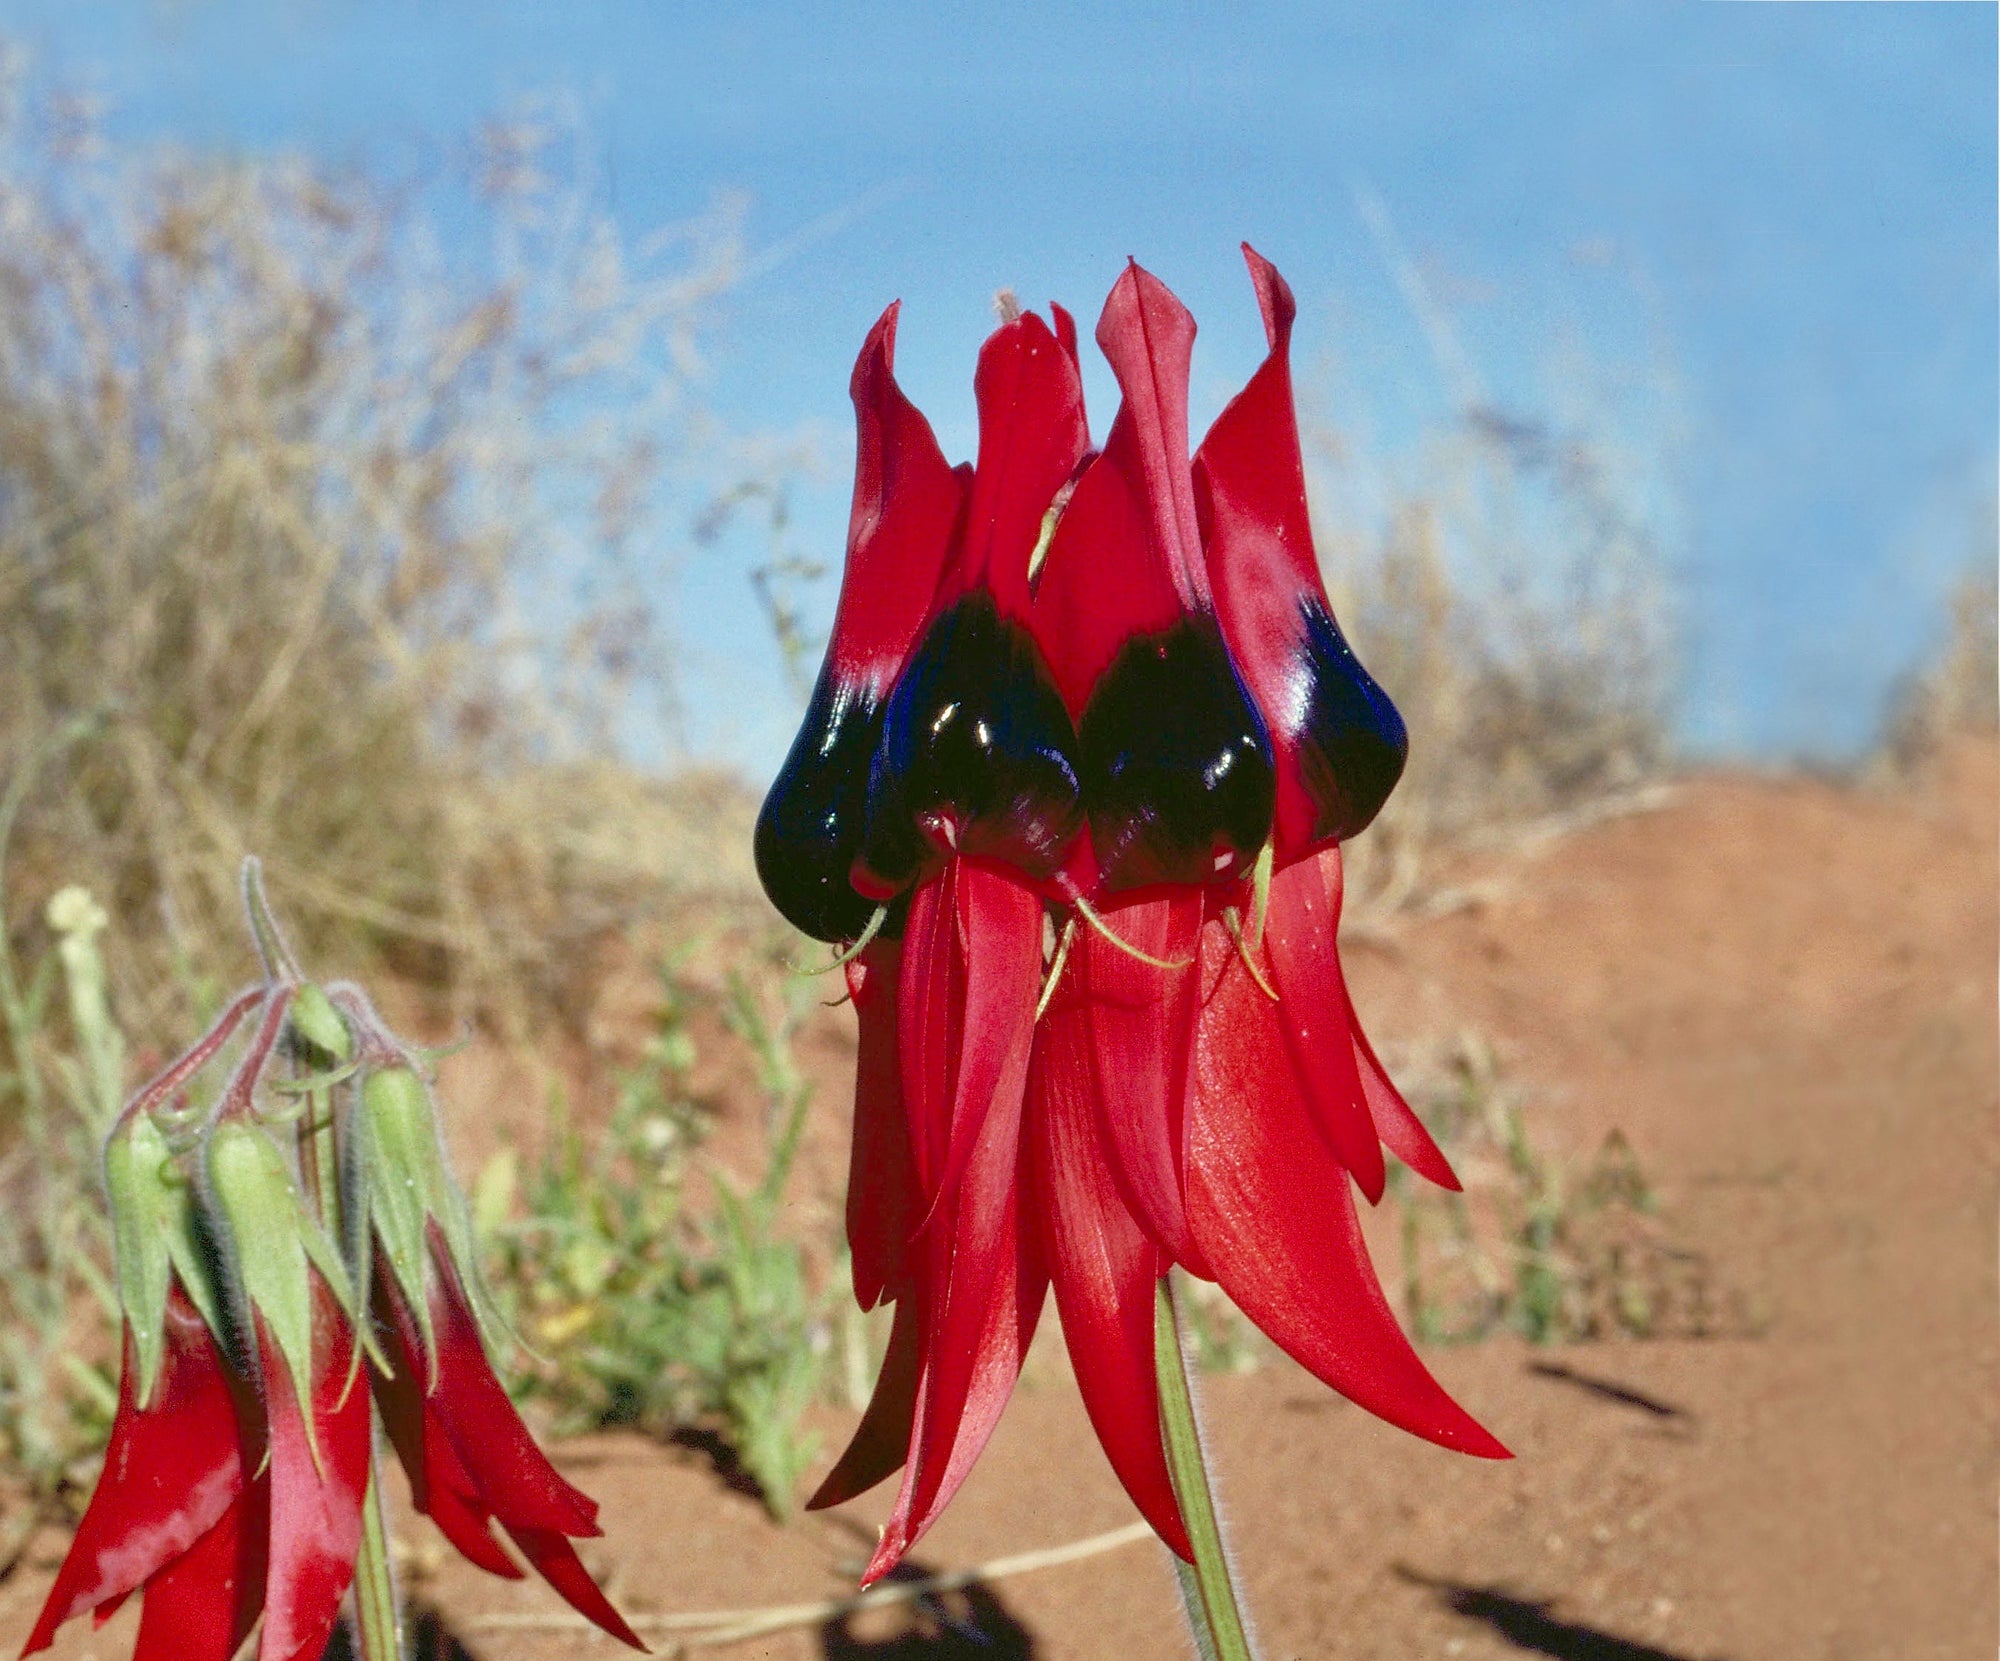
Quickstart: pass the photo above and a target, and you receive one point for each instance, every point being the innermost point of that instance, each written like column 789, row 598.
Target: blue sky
column 1788, row 211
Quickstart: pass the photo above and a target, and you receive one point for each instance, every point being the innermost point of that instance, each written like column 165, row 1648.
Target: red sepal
column 170, row 1471
column 1102, row 1264
column 1273, row 1211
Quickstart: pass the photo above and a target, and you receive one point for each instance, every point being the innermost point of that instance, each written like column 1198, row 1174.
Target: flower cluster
column 293, row 1261
column 1071, row 791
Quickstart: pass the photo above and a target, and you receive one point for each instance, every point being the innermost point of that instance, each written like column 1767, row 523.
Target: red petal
column 930, row 993
column 202, row 1605
column 883, row 1204
column 981, row 950
column 1102, row 1264
column 555, row 1560
column 1273, row 1210
column 1302, row 931
column 1396, row 1121
column 1105, row 580
column 1065, row 326
column 1148, row 335
column 984, row 1286
column 1138, row 1026
column 906, row 505
column 169, row 1473
column 511, row 1475
column 441, row 1464
column 1338, row 741
column 317, row 1486
column 881, row 1442
column 439, row 1485
column 1031, row 436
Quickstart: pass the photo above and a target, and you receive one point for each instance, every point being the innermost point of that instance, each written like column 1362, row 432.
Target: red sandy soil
column 1783, row 992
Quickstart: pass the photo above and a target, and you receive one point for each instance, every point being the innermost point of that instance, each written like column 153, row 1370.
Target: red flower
column 469, row 1458
column 166, row 1515
column 1196, row 1089
column 240, row 1459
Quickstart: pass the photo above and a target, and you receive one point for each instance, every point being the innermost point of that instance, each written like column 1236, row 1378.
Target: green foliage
column 658, row 1291
column 1531, row 1246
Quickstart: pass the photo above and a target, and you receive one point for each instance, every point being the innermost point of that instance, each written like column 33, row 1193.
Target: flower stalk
column 378, row 1623
column 1208, row 1594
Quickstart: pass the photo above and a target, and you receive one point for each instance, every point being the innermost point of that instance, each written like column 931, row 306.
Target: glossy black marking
column 1352, row 742
column 1177, row 771
column 810, row 827
column 976, row 745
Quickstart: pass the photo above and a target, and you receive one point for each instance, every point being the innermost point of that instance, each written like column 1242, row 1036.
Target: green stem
column 1206, row 1589
column 374, row 1586
column 379, row 1633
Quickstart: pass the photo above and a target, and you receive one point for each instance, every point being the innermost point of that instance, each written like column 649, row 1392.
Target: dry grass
column 1519, row 613
column 342, row 538
column 1958, row 692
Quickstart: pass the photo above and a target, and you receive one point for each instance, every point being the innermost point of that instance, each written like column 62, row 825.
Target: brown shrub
column 336, row 535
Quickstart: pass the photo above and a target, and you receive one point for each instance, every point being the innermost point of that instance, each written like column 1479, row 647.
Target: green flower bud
column 138, row 1169
column 315, row 1020
column 403, row 1186
column 273, row 1244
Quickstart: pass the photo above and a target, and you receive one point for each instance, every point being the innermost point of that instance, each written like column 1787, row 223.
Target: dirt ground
column 1783, row 992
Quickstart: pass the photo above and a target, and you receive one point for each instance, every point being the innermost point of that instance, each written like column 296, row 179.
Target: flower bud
column 404, row 1194
column 145, row 1193
column 271, row 1242
column 319, row 1024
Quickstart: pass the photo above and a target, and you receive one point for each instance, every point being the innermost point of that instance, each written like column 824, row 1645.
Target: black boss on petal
column 1351, row 742
column 976, row 754
column 1177, row 770
column 810, row 827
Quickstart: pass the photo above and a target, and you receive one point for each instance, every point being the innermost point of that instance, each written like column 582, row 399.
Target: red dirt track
column 1783, row 992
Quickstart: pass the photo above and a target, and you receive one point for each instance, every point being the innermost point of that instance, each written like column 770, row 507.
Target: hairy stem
column 1206, row 1589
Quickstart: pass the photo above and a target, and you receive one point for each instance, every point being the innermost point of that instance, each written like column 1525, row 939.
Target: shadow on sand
column 1532, row 1627
column 969, row 1623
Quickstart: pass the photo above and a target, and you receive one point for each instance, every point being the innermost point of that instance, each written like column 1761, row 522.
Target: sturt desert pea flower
column 974, row 799
column 1263, row 1108
column 174, row 1466
column 1137, row 1075
column 470, row 1460
column 240, row 1464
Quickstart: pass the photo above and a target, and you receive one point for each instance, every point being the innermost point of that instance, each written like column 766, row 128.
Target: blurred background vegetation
column 319, row 544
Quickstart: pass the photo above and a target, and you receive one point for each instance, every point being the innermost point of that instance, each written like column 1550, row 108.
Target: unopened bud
column 138, row 1166
column 320, row 1025
column 270, row 1240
